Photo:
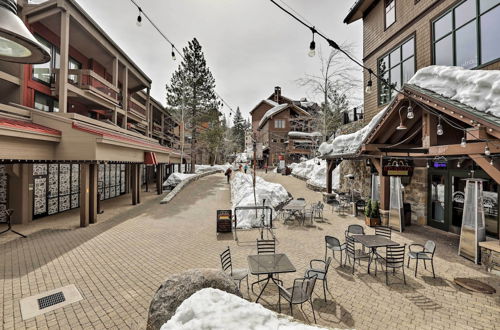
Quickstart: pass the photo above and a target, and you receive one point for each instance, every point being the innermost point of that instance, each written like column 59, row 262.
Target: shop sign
column 397, row 167
column 224, row 224
column 440, row 165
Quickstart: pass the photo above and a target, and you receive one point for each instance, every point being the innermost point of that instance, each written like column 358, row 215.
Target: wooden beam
column 470, row 148
column 484, row 163
column 429, row 129
column 378, row 164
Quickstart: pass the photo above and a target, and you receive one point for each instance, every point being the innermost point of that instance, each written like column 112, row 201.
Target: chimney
column 277, row 94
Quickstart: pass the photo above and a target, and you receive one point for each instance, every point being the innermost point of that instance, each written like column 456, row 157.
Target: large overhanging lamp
column 17, row 44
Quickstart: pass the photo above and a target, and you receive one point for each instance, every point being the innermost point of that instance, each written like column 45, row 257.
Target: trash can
column 407, row 214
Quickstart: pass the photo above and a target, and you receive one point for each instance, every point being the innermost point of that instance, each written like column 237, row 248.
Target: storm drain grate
column 51, row 300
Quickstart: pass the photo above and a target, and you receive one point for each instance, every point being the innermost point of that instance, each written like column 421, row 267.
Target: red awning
column 150, row 158
column 27, row 126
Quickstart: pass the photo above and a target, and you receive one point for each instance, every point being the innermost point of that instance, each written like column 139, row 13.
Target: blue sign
column 440, row 165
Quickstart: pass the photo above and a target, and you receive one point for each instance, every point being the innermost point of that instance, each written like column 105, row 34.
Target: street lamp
column 17, row 44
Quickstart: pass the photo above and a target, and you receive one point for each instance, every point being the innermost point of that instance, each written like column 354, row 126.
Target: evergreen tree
column 192, row 91
column 239, row 128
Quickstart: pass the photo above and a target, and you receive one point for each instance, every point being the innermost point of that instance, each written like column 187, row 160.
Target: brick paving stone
column 118, row 263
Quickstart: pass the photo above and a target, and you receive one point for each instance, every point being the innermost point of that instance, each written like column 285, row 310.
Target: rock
column 179, row 287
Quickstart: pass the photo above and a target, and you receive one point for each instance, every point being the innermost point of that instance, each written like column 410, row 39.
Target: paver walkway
column 118, row 264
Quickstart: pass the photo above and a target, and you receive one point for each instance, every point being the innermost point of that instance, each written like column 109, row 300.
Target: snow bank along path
column 217, row 310
column 315, row 174
column 242, row 195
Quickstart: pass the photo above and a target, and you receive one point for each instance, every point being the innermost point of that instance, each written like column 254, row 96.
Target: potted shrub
column 372, row 213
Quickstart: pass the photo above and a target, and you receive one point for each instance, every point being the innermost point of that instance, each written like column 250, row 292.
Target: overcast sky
column 250, row 45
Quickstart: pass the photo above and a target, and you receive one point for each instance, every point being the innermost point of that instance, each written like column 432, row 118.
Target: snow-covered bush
column 242, row 195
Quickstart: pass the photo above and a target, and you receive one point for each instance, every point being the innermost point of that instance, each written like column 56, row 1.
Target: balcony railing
column 137, row 108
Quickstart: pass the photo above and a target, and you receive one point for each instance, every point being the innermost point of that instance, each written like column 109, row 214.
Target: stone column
column 93, row 193
column 64, row 60
column 84, row 194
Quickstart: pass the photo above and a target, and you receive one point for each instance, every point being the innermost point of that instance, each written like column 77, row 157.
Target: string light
column 369, row 84
column 139, row 18
column 401, row 126
column 463, row 144
column 439, row 128
column 312, row 45
column 428, row 165
column 173, row 54
column 459, row 163
column 491, row 162
column 487, row 151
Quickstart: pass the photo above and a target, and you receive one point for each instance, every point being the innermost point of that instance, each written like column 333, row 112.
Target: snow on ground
column 479, row 89
column 205, row 168
column 175, row 178
column 242, row 195
column 348, row 144
column 314, row 171
column 217, row 310
column 304, row 134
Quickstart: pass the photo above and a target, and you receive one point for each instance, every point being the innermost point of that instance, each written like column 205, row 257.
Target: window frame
column 281, row 121
column 52, row 102
column 402, row 61
column 454, row 29
column 54, row 52
column 386, row 4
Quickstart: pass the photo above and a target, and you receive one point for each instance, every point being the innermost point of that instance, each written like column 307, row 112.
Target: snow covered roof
column 349, row 144
column 271, row 112
column 304, row 134
column 478, row 89
column 271, row 102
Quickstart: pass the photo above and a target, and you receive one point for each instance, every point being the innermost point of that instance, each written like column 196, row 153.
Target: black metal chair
column 351, row 252
column 355, row 230
column 334, row 244
column 426, row 253
column 360, row 205
column 236, row 274
column 383, row 231
column 265, row 246
column 320, row 268
column 298, row 294
column 394, row 258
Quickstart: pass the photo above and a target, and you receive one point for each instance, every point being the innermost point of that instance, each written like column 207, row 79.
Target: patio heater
column 473, row 224
column 396, row 220
column 17, row 44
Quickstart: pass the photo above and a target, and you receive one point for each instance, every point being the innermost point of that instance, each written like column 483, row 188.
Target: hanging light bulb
column 463, row 144
column 428, row 165
column 459, row 164
column 139, row 18
column 492, row 162
column 312, row 48
column 369, row 85
column 409, row 112
column 173, row 54
column 487, row 151
column 439, row 129
column 401, row 126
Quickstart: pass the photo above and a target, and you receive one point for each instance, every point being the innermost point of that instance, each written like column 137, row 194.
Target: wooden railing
column 136, row 106
column 89, row 80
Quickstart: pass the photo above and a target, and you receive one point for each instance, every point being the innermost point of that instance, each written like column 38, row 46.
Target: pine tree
column 239, row 128
column 192, row 91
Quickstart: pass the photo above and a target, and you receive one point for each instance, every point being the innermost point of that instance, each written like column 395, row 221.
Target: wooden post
column 93, row 193
column 63, row 62
column 84, row 194
column 330, row 167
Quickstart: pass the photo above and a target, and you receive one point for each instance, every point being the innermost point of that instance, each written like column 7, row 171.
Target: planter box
column 372, row 222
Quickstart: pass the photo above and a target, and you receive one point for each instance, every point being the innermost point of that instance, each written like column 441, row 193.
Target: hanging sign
column 397, row 167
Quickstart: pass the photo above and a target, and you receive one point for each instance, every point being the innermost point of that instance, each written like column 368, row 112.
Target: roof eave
column 357, row 10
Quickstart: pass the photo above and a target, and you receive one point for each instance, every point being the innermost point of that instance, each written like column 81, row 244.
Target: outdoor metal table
column 373, row 242
column 269, row 264
column 294, row 208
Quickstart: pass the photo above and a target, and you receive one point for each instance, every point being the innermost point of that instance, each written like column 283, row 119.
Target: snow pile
column 314, row 172
column 349, row 144
column 479, row 89
column 241, row 158
column 175, row 178
column 242, row 195
column 304, row 134
column 271, row 112
column 206, row 168
column 215, row 309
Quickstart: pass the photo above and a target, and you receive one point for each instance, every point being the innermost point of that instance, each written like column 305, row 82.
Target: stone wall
column 362, row 177
column 416, row 194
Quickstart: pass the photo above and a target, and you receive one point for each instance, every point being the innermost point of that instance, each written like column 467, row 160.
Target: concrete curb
column 184, row 183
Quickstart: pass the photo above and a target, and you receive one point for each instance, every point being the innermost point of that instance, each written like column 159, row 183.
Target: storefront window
column 46, row 103
column 466, row 36
column 396, row 68
column 42, row 72
column 437, row 198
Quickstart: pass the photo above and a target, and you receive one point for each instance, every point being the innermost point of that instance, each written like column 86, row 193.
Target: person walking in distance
column 265, row 167
column 245, row 168
column 228, row 173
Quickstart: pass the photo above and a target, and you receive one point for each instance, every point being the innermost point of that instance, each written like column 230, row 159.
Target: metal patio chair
column 394, row 258
column 355, row 230
column 320, row 268
column 426, row 253
column 334, row 244
column 265, row 246
column 383, row 231
column 351, row 252
column 236, row 274
column 299, row 293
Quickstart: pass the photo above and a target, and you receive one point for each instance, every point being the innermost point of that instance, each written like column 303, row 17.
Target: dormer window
column 390, row 12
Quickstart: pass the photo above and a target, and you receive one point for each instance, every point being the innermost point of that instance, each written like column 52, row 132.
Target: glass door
column 437, row 202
